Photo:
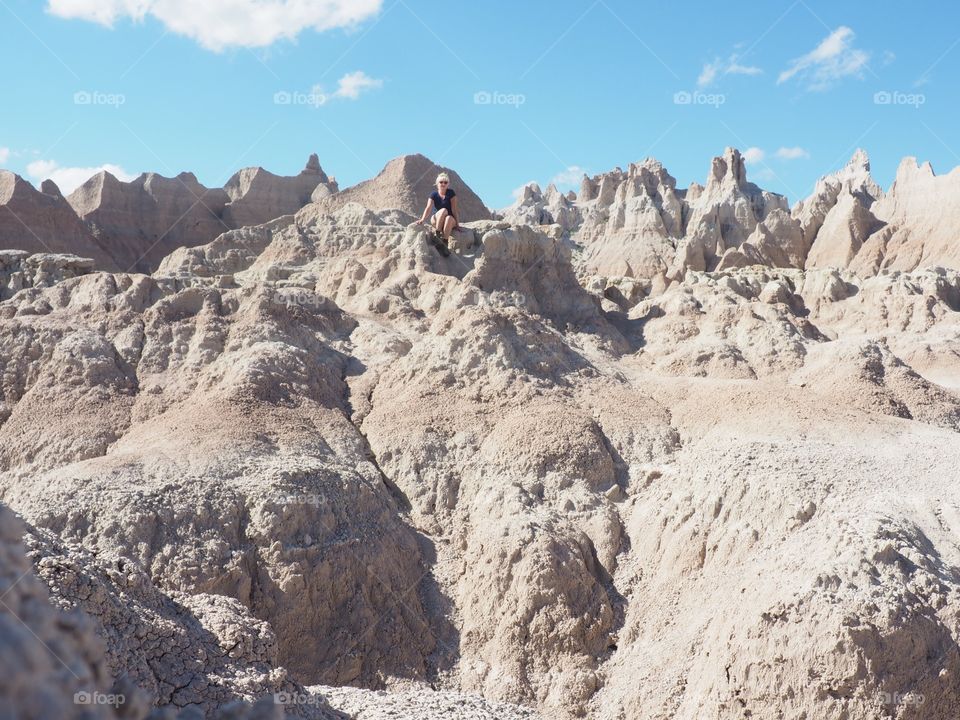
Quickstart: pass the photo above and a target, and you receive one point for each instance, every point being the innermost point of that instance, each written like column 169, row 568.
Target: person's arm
column 456, row 212
column 426, row 211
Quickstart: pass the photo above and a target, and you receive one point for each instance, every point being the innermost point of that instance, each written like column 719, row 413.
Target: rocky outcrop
column 471, row 471
column 922, row 214
column 168, row 650
column 535, row 207
column 631, row 225
column 843, row 232
column 404, row 184
column 19, row 269
column 257, row 196
column 854, row 181
column 142, row 221
column 637, row 224
column 43, row 222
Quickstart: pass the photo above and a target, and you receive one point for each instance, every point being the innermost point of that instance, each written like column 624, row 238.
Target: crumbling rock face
column 43, row 222
column 19, row 269
column 257, row 196
column 179, row 650
column 405, row 183
column 923, row 211
column 474, row 472
column 141, row 221
column 48, row 657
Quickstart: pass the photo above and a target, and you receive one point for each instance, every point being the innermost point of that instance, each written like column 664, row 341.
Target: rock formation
column 404, row 184
column 637, row 225
column 142, row 221
column 922, row 212
column 257, row 196
column 475, row 473
column 313, row 453
column 43, row 222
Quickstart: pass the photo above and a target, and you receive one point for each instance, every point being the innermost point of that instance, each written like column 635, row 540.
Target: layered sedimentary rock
column 637, row 225
column 257, row 196
column 405, row 184
column 475, row 473
column 43, row 222
column 142, row 221
column 922, row 214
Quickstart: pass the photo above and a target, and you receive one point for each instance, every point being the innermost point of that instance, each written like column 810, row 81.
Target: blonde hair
column 441, row 176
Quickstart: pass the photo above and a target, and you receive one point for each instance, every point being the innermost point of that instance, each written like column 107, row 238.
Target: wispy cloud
column 753, row 155
column 69, row 179
column 792, row 153
column 221, row 24
column 832, row 60
column 569, row 178
column 724, row 66
column 4, row 155
column 352, row 84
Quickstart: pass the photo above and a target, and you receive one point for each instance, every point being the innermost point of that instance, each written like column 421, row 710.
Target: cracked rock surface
column 315, row 452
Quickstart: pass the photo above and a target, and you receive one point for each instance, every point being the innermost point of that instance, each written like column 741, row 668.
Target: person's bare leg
column 449, row 224
column 439, row 219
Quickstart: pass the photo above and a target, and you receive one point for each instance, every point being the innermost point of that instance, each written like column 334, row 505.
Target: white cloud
column 4, row 155
column 753, row 155
column 569, row 178
column 792, row 153
column 833, row 59
column 352, row 84
column 69, row 179
column 729, row 66
column 221, row 24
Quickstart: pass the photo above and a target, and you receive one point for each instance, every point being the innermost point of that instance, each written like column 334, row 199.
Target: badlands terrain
column 637, row 451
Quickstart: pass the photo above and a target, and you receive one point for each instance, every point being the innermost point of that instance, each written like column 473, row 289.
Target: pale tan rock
column 924, row 211
column 472, row 472
column 141, row 221
column 405, row 183
column 257, row 196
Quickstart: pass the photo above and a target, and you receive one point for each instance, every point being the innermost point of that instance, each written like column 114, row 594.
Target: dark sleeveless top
column 443, row 203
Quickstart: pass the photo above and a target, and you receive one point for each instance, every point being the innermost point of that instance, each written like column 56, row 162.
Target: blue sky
column 504, row 92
